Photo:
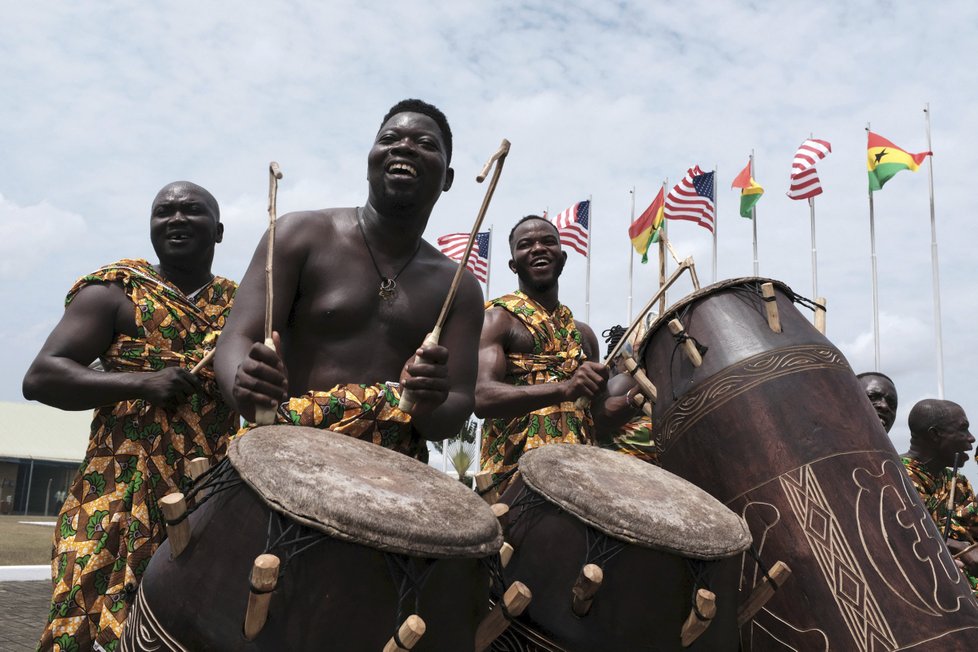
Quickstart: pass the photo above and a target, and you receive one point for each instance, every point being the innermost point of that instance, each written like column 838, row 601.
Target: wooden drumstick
column 588, row 582
column 264, row 577
column 820, row 315
column 409, row 633
column 763, row 592
column 265, row 415
column 407, row 400
column 174, row 509
column 771, row 306
column 516, row 599
column 699, row 617
column 206, row 360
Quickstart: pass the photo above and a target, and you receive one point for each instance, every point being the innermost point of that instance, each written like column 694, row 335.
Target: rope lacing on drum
column 686, row 319
column 525, row 501
column 600, row 547
column 292, row 539
column 408, row 578
column 754, row 288
column 762, row 565
column 216, row 479
column 500, row 478
column 613, row 335
column 699, row 570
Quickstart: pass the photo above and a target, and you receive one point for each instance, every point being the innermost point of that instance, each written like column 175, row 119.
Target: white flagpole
column 716, row 221
column 935, row 271
column 753, row 218
column 872, row 255
column 489, row 262
column 811, row 206
column 631, row 258
column 587, row 279
column 664, row 236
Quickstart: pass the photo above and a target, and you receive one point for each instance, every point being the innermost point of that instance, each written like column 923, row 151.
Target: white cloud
column 31, row 235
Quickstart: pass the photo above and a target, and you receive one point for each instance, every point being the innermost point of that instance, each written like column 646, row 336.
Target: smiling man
column 148, row 325
column 939, row 434
column 355, row 292
column 535, row 360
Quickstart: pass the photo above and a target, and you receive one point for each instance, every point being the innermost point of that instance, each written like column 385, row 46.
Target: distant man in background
column 148, row 325
column 939, row 434
column 536, row 360
column 882, row 395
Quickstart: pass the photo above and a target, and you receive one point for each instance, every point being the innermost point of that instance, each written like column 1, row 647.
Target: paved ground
column 23, row 610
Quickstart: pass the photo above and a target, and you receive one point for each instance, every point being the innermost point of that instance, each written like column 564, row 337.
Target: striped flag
column 453, row 246
column 804, row 177
column 643, row 231
column 573, row 224
column 693, row 199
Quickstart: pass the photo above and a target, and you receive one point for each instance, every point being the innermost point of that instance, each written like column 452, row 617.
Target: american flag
column 453, row 246
column 573, row 224
column 804, row 177
column 693, row 199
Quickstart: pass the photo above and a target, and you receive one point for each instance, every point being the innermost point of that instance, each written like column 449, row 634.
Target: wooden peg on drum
column 174, row 509
column 645, row 385
column 700, row 616
column 820, row 315
column 514, row 602
column 407, row 399
column 409, row 633
column 771, row 306
column 585, row 588
column 265, row 415
column 483, row 482
column 197, row 466
column 264, row 577
column 505, row 554
column 763, row 592
column 688, row 345
column 501, row 512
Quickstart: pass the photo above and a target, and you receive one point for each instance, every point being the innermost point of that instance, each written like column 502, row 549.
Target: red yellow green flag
column 750, row 191
column 645, row 229
column 884, row 159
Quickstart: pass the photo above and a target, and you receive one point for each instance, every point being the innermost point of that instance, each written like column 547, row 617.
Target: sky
column 106, row 103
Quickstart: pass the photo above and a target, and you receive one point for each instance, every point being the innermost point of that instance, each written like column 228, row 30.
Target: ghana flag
column 645, row 230
column 884, row 159
column 750, row 191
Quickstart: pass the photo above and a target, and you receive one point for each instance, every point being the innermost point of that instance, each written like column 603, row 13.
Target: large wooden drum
column 657, row 540
column 777, row 427
column 366, row 538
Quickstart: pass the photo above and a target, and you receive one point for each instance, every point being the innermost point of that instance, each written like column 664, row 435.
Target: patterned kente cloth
column 111, row 523
column 935, row 491
column 367, row 412
column 635, row 438
column 557, row 353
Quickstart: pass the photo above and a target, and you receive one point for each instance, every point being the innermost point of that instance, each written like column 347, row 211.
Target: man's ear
column 449, row 178
column 219, row 234
column 564, row 254
column 512, row 265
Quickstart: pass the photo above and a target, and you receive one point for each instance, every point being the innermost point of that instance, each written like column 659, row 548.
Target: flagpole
column 716, row 221
column 753, row 217
column 811, row 208
column 631, row 258
column 587, row 279
column 872, row 255
column 662, row 255
column 489, row 262
column 935, row 268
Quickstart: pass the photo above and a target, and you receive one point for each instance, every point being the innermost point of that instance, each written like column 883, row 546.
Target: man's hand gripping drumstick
column 407, row 402
column 265, row 414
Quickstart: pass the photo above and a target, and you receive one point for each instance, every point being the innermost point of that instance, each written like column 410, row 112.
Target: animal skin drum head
column 363, row 493
column 634, row 501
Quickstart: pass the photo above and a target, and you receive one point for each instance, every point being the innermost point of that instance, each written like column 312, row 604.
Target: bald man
column 147, row 325
column 939, row 435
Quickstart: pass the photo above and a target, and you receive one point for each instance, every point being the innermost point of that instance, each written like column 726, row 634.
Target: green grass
column 25, row 544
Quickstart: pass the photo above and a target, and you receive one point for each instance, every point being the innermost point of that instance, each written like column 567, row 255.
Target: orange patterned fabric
column 111, row 523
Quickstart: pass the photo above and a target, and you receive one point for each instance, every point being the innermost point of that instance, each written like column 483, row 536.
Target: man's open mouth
column 540, row 262
column 402, row 169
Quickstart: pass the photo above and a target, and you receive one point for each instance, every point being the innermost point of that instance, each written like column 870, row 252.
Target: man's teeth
column 403, row 167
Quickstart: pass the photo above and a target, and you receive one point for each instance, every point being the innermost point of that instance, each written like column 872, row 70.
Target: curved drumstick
column 264, row 415
column 407, row 400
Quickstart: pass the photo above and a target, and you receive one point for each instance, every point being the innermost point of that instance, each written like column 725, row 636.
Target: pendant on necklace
column 388, row 288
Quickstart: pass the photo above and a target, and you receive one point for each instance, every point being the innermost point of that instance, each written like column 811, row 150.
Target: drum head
column 634, row 501
column 363, row 493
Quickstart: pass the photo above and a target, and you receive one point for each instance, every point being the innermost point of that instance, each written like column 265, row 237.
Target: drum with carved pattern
column 365, row 536
column 777, row 427
column 659, row 544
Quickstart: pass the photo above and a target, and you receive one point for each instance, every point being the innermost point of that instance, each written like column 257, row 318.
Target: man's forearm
column 69, row 385
column 497, row 400
column 446, row 420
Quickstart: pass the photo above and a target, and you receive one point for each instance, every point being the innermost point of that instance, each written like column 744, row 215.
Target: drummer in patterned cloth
column 938, row 434
column 355, row 292
column 148, row 325
column 535, row 361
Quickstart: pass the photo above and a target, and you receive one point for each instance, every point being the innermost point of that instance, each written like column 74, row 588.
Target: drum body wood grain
column 336, row 594
column 777, row 427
